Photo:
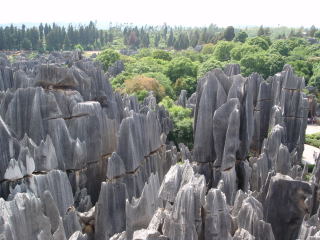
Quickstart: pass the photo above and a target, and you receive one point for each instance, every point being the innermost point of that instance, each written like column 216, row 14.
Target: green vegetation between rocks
column 313, row 139
column 166, row 59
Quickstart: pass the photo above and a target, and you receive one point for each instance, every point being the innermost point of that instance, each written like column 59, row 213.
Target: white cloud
column 177, row 12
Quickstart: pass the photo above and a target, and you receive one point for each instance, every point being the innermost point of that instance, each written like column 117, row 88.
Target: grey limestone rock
column 24, row 218
column 217, row 219
column 139, row 211
column 146, row 234
column 110, row 210
column 250, row 218
column 115, row 167
column 226, row 134
column 242, row 234
column 285, row 193
column 78, row 236
column 184, row 221
column 182, row 100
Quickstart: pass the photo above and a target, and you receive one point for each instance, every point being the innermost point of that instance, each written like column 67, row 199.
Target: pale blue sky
column 292, row 13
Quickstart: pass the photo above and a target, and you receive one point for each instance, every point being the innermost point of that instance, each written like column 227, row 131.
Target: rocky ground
column 80, row 161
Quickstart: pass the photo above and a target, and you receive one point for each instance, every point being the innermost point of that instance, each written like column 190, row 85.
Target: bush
column 145, row 84
column 164, row 81
column 181, row 67
column 144, row 52
column 281, row 47
column 145, row 65
column 191, row 54
column 243, row 50
column 222, row 50
column 302, row 68
column 241, row 37
column 263, row 63
column 182, row 122
column 186, row 83
column 208, row 65
column 208, row 49
column 78, row 47
column 315, row 79
column 317, row 34
column 161, row 54
column 258, row 41
column 108, row 57
column 118, row 81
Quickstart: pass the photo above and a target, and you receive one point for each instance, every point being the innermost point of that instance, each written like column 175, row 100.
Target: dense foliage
column 182, row 121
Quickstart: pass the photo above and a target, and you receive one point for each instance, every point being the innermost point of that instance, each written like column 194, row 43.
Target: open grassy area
column 313, row 139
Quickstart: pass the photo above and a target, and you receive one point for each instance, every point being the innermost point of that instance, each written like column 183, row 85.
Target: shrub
column 181, row 67
column 222, row 50
column 142, row 83
column 78, row 47
column 208, row 65
column 182, row 122
column 108, row 57
column 243, row 50
column 161, row 54
column 187, row 83
column 145, row 65
column 208, row 49
column 258, row 41
column 164, row 81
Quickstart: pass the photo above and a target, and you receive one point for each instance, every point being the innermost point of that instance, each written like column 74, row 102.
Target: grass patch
column 313, row 139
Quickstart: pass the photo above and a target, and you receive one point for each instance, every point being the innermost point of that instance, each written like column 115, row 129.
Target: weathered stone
column 285, row 193
column 110, row 210
column 217, row 219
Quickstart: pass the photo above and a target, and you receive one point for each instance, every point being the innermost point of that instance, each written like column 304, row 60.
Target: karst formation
column 79, row 161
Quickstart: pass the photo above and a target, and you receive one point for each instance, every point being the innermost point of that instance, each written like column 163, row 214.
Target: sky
column 291, row 13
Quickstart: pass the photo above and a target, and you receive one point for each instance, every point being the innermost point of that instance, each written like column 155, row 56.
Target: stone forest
column 81, row 161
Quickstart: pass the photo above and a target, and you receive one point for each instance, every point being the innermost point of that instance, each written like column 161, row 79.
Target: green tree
column 143, row 83
column 241, row 37
column 164, row 81
column 260, row 31
column 208, row 65
column 315, row 79
column 26, row 44
column 66, row 43
column 170, row 41
column 182, row 122
column 157, row 40
column 258, row 41
column 243, row 50
column 229, row 33
column 181, row 67
column 208, row 48
column 108, row 57
column 222, row 50
column 280, row 46
column 302, row 68
column 186, row 83
column 145, row 65
column 312, row 31
column 78, row 47
column 317, row 34
column 161, row 54
column 263, row 63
